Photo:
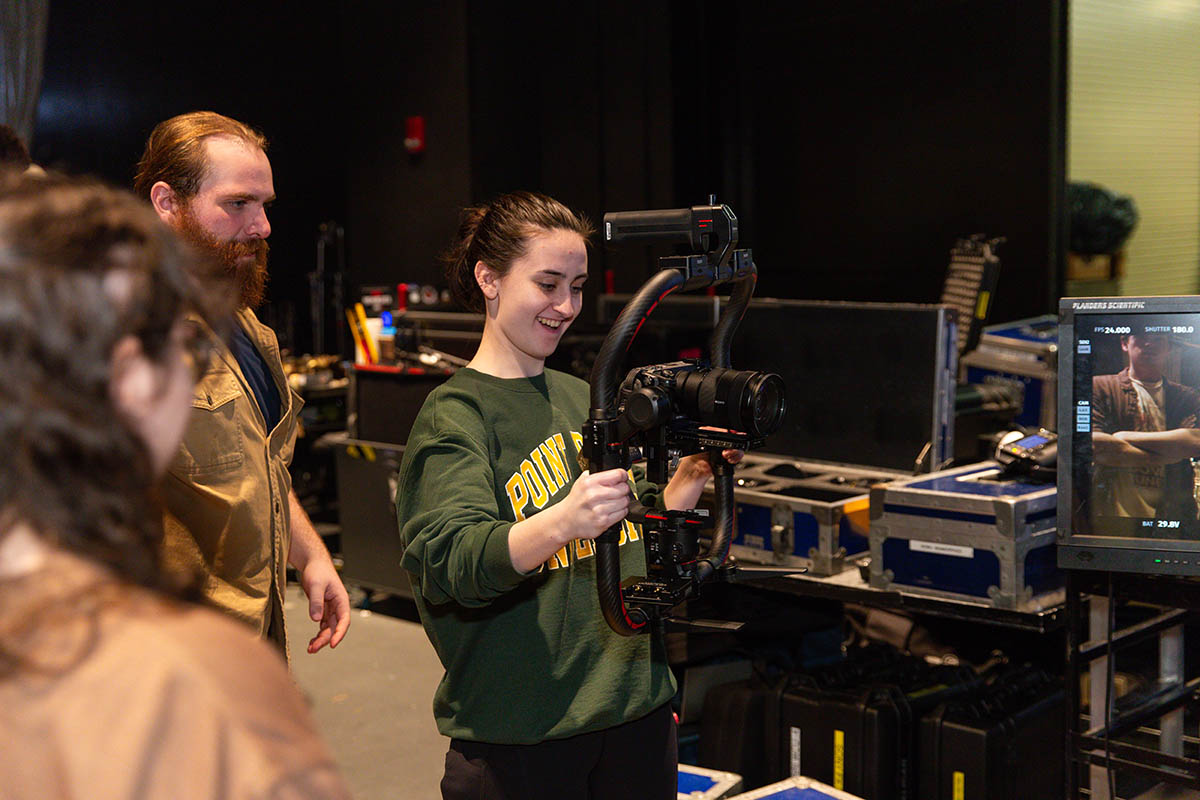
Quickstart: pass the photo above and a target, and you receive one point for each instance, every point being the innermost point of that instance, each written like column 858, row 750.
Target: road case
column 797, row 789
column 967, row 533
column 802, row 513
column 698, row 783
column 1003, row 742
column 1022, row 354
column 870, row 390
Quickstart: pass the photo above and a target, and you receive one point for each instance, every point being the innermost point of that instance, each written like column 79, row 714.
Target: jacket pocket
column 213, row 443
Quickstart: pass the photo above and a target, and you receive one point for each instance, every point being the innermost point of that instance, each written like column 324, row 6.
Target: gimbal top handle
column 704, row 229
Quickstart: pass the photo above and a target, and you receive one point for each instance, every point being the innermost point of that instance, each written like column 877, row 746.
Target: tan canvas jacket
column 129, row 695
column 226, row 491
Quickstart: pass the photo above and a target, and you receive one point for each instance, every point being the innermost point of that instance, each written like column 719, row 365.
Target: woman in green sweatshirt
column 540, row 698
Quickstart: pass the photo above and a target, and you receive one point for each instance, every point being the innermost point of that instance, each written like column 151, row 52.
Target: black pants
column 634, row 761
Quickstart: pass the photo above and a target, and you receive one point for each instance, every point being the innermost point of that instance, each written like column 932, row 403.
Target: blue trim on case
column 954, row 484
column 939, row 513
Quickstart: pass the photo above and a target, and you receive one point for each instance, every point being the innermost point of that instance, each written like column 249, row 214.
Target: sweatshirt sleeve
column 455, row 541
column 647, row 492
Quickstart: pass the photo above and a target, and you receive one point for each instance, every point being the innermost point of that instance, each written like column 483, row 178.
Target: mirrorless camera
column 685, row 407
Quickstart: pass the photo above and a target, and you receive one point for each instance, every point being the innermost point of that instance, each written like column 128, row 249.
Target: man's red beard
column 244, row 262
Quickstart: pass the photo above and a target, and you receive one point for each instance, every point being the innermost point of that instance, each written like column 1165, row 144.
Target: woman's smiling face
column 531, row 306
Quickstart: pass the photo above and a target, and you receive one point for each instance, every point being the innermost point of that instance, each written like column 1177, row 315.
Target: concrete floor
column 372, row 700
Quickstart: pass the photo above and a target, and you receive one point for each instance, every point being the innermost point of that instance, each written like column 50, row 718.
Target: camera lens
column 742, row 400
column 767, row 403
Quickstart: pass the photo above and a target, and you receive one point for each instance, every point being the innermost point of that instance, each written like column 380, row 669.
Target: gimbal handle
column 704, row 229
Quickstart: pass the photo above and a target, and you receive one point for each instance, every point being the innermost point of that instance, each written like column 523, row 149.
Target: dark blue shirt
column 258, row 376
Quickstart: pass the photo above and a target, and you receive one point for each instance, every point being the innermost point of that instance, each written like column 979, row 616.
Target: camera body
column 673, row 410
column 684, row 407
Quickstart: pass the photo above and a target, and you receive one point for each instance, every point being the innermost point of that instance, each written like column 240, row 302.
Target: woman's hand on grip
column 596, row 503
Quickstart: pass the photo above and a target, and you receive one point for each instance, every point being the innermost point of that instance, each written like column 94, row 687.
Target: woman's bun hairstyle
column 498, row 234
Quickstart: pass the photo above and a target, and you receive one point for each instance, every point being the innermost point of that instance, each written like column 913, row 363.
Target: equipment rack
column 1090, row 744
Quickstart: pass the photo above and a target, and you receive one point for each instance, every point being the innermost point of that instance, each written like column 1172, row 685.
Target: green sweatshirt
column 527, row 657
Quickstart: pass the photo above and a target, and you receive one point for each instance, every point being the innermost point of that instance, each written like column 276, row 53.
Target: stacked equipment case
column 1022, row 354
column 851, row 725
column 1003, row 742
column 860, row 735
column 802, row 513
column 968, row 533
column 797, row 789
column 882, row 725
column 698, row 783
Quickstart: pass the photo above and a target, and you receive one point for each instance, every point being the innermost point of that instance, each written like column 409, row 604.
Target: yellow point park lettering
column 541, row 495
column 518, row 495
column 543, row 471
column 556, row 461
column 541, row 476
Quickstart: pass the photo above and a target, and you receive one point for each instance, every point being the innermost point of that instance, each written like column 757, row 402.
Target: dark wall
column 858, row 140
column 115, row 70
column 403, row 208
column 575, row 101
column 855, row 140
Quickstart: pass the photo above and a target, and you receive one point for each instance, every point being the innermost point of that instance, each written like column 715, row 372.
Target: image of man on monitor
column 1145, row 431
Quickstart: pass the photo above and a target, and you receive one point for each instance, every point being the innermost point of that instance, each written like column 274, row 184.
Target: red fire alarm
column 414, row 135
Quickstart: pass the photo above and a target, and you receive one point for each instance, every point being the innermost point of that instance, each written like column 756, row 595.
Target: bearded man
column 231, row 516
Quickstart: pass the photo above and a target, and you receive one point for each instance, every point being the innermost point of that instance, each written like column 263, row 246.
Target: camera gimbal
column 676, row 409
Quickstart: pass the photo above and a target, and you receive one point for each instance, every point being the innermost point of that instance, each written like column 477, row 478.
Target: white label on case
column 795, row 752
column 941, row 549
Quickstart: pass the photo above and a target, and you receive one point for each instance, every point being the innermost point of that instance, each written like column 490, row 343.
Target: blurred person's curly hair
column 82, row 266
column 14, row 155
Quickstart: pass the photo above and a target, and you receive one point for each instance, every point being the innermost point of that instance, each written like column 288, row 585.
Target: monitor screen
column 1129, row 439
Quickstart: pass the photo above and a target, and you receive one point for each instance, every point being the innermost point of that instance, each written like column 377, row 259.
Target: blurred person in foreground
column 14, row 154
column 111, row 684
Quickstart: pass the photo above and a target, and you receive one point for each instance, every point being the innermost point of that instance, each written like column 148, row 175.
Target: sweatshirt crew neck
column 535, row 383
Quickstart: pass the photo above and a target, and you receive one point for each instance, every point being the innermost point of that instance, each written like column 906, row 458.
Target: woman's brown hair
column 498, row 233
